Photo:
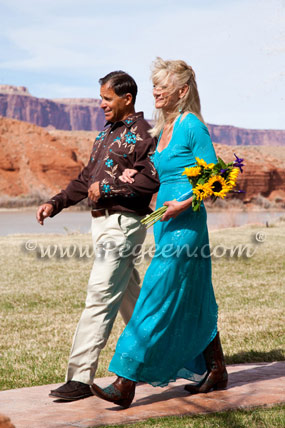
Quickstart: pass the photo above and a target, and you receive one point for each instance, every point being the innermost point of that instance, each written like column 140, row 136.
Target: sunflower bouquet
column 214, row 180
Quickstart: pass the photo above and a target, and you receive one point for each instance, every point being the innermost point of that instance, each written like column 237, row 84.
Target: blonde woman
column 173, row 330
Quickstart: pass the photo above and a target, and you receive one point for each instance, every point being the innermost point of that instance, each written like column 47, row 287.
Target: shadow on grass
column 256, row 357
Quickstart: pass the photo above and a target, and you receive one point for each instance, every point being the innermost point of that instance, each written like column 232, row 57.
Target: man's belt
column 102, row 212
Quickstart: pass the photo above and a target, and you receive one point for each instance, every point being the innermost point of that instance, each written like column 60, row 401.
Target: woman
column 173, row 330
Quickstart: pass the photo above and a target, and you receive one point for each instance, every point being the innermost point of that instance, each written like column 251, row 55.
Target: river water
column 24, row 222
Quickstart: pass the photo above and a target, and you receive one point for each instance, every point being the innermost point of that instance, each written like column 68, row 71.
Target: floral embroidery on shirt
column 130, row 138
column 127, row 141
column 151, row 157
column 99, row 139
column 112, row 173
column 106, row 188
column 101, row 136
column 109, row 162
column 114, row 153
column 118, row 147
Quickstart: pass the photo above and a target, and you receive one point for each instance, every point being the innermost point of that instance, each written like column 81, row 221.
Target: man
column 117, row 208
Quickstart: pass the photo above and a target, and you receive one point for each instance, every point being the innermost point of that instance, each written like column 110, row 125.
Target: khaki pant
column 113, row 285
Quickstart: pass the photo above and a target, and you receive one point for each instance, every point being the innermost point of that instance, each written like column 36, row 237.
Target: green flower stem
column 152, row 218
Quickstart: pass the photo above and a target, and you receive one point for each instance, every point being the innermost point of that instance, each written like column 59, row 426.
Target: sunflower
column 219, row 186
column 202, row 191
column 232, row 177
column 192, row 172
column 210, row 165
column 201, row 162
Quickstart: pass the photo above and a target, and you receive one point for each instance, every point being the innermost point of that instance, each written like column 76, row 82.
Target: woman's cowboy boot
column 217, row 376
column 121, row 392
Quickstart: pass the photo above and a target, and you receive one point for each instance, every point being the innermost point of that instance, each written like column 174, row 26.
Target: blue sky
column 60, row 48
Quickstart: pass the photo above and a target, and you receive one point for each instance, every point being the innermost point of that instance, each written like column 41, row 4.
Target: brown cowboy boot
column 121, row 392
column 217, row 376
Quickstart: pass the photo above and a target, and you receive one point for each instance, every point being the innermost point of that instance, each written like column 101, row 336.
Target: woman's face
column 165, row 96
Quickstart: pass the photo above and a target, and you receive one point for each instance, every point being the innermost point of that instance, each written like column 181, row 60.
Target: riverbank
column 72, row 220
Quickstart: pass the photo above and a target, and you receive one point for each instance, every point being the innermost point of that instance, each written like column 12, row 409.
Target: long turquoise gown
column 175, row 317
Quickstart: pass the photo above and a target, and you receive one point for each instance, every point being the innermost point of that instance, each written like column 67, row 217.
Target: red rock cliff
column 35, row 160
column 233, row 136
column 264, row 171
column 85, row 114
column 68, row 114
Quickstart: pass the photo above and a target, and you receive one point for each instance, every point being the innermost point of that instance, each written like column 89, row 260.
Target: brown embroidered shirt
column 123, row 144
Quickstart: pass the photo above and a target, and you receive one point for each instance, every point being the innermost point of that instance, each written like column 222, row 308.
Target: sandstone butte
column 85, row 114
column 68, row 114
column 37, row 160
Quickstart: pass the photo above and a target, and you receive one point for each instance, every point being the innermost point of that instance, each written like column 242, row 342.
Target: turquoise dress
column 175, row 317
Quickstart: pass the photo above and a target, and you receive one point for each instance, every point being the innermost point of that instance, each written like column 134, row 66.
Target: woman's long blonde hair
column 175, row 75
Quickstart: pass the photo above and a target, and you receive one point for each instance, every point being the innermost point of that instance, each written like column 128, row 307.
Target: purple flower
column 238, row 191
column 223, row 170
column 238, row 163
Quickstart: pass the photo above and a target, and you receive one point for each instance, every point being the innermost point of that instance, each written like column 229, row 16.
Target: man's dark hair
column 121, row 82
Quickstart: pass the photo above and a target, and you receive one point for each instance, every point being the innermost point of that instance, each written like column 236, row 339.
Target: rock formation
column 85, row 114
column 35, row 160
column 263, row 174
column 233, row 136
column 32, row 160
column 68, row 114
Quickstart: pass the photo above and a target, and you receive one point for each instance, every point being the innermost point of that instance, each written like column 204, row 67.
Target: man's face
column 115, row 108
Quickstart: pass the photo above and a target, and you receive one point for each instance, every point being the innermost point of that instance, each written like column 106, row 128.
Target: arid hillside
column 35, row 161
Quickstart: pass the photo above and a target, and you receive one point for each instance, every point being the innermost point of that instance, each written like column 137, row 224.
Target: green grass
column 42, row 299
column 256, row 418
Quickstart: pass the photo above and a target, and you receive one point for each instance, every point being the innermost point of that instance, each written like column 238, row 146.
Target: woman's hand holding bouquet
column 207, row 180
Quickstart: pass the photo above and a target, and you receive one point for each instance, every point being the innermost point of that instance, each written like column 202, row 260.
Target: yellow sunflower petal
column 210, row 165
column 219, row 186
column 232, row 177
column 192, row 172
column 202, row 191
column 201, row 162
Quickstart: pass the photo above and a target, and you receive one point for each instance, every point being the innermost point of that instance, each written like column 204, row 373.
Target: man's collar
column 129, row 121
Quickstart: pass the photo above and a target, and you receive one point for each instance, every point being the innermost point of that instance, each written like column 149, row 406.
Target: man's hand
column 127, row 176
column 44, row 210
column 94, row 192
